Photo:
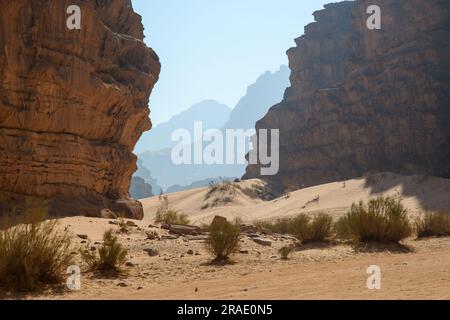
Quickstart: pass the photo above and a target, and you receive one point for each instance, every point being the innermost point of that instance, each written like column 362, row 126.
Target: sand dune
column 418, row 193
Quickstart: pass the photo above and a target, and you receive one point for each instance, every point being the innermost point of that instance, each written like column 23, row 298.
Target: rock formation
column 140, row 189
column 365, row 100
column 73, row 104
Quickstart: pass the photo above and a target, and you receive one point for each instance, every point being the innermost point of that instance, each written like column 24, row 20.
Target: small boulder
column 151, row 252
column 82, row 236
column 263, row 242
column 152, row 235
column 169, row 237
column 218, row 220
column 131, row 224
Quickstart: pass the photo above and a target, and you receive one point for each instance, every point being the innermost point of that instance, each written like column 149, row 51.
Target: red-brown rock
column 73, row 104
column 365, row 100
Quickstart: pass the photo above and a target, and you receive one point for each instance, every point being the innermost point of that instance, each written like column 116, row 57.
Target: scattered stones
column 131, row 224
column 83, row 241
column 243, row 251
column 197, row 238
column 139, row 288
column 113, row 222
column 266, row 231
column 93, row 248
column 122, row 284
column 82, row 236
column 263, row 242
column 152, row 235
column 129, row 264
column 190, row 251
column 182, row 229
column 151, row 252
column 169, row 237
column 248, row 228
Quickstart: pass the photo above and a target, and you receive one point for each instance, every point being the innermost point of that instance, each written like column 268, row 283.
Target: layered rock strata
column 73, row 104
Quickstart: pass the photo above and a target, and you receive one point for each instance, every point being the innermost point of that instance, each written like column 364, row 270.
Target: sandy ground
column 181, row 269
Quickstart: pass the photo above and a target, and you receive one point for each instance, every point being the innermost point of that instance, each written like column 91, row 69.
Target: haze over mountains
column 213, row 114
column 260, row 96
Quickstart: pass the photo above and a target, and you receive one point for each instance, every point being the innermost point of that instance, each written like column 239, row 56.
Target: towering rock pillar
column 366, row 100
column 73, row 103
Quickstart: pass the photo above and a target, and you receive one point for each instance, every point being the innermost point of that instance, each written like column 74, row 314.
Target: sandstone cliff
column 73, row 104
column 365, row 100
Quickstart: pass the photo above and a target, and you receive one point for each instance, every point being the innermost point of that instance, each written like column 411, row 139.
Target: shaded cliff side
column 73, row 104
column 365, row 100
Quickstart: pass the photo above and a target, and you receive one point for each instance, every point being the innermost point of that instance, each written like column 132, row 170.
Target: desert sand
column 181, row 270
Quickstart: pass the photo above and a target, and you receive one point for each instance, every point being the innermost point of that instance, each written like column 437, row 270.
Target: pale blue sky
column 214, row 49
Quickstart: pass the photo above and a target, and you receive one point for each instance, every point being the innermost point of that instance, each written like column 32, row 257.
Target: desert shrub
column 320, row 227
column 382, row 220
column 172, row 217
column 302, row 227
column 219, row 193
column 286, row 251
column 280, row 226
column 311, row 230
column 261, row 191
column 237, row 221
column 164, row 215
column 110, row 256
column 225, row 186
column 433, row 224
column 223, row 240
column 33, row 254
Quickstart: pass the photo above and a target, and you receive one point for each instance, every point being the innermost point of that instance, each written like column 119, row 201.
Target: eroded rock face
column 73, row 104
column 365, row 100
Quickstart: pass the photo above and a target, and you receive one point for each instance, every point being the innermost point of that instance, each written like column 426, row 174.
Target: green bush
column 381, row 219
column 311, row 230
column 433, row 224
column 223, row 240
column 302, row 227
column 280, row 226
column 171, row 217
column 110, row 256
column 164, row 215
column 33, row 254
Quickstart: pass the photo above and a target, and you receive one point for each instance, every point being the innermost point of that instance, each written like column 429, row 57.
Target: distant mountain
column 140, row 189
column 143, row 173
column 169, row 174
column 260, row 96
column 263, row 94
column 212, row 113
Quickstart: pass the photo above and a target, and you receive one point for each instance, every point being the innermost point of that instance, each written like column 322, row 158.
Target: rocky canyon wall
column 362, row 100
column 73, row 104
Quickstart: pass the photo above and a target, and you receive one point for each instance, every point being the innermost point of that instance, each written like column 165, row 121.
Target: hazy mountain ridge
column 260, row 96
